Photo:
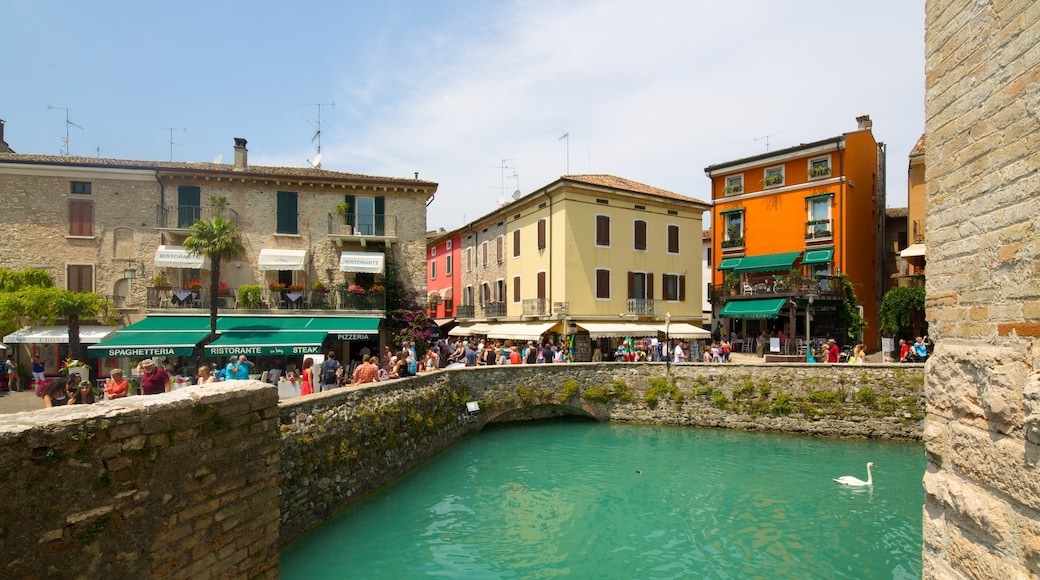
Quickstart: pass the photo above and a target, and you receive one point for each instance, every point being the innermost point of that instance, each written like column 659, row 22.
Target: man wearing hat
column 154, row 380
column 832, row 351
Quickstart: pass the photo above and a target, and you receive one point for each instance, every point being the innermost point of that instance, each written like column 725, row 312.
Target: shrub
column 570, row 388
column 599, row 394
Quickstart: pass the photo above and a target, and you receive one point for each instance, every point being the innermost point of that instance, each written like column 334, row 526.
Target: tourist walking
column 37, row 369
column 307, row 387
column 154, row 380
column 331, row 371
column 13, row 383
column 832, row 351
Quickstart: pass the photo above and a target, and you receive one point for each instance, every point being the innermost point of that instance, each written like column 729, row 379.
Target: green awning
column 767, row 263
column 267, row 342
column 729, row 263
column 765, row 308
column 155, row 336
column 818, row 256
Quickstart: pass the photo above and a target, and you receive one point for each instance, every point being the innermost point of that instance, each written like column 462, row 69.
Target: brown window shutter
column 640, row 235
column 500, row 242
column 516, row 288
column 631, row 285
column 649, row 286
column 541, row 285
column 516, row 243
column 682, row 288
column 541, row 234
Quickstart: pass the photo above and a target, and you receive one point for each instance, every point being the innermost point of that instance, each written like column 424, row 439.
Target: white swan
column 855, row 481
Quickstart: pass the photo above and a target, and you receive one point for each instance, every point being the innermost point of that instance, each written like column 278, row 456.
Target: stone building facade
column 982, row 429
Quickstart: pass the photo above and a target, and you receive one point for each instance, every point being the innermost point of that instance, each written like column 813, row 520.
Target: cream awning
column 913, row 251
column 179, row 257
column 683, row 330
column 275, row 259
column 58, row 334
column 446, row 293
column 519, row 330
column 617, row 329
column 470, row 330
column 371, row 262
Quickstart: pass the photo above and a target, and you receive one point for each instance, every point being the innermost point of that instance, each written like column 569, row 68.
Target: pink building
column 443, row 274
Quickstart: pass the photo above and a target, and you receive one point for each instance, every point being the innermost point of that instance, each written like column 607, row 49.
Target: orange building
column 786, row 224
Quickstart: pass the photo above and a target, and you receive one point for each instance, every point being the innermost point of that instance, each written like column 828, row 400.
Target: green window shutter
column 352, row 202
column 380, row 205
column 288, row 215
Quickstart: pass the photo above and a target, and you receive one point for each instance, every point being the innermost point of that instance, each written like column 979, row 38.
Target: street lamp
column 808, row 333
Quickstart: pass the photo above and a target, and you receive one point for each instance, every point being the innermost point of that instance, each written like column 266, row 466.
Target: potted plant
column 319, row 287
column 819, row 171
column 377, row 289
column 75, row 367
column 276, row 287
column 299, row 287
column 193, row 285
column 734, row 188
column 774, row 179
column 249, row 295
column 356, row 290
column 731, row 282
column 161, row 282
column 224, row 289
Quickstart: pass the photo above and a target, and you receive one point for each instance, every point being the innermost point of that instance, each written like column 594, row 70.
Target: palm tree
column 214, row 239
column 75, row 306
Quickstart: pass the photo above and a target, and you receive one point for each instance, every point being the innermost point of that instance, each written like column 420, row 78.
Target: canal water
column 596, row 500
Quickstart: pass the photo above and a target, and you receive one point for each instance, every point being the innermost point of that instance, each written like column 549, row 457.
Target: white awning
column 446, row 294
column 275, row 259
column 58, row 334
column 470, row 330
column 913, row 251
column 683, row 330
column 617, row 329
column 371, row 262
column 519, row 330
column 179, row 257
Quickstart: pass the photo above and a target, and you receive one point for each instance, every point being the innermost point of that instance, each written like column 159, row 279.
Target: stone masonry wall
column 339, row 445
column 982, row 430
column 183, row 485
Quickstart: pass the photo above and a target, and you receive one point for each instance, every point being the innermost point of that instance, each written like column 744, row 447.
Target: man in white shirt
column 680, row 356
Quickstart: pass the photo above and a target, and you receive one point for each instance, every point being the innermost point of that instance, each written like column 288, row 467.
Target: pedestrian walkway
column 18, row 402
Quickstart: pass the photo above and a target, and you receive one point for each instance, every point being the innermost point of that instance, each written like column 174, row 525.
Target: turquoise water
column 546, row 499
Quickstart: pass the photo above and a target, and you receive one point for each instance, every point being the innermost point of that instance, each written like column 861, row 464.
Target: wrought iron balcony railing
column 180, row 217
column 363, row 225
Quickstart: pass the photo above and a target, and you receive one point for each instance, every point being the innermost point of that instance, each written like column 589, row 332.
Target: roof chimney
column 4, row 147
column 241, row 154
column 864, row 122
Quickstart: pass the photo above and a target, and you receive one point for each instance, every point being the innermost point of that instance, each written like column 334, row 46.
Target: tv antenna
column 68, row 123
column 766, row 138
column 567, row 136
column 318, row 124
column 503, row 166
column 171, row 141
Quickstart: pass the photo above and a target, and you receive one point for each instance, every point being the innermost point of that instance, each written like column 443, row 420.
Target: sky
column 475, row 95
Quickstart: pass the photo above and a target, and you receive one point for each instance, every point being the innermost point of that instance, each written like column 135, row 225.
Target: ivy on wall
column 899, row 308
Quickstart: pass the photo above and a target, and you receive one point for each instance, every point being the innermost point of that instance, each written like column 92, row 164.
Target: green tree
column 74, row 307
column 900, row 308
column 216, row 239
column 406, row 313
column 848, row 311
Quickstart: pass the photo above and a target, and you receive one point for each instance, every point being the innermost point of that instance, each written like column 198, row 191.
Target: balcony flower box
column 296, row 288
column 224, row 289
column 319, row 287
column 193, row 285
column 356, row 290
column 376, row 289
column 276, row 287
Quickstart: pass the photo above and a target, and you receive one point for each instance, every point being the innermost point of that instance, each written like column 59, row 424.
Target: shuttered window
column 288, row 213
column 639, row 235
column 674, row 287
column 484, row 254
column 500, row 243
column 79, row 278
column 81, row 218
column 516, row 243
column 541, row 285
column 673, row 239
column 603, row 230
column 516, row 288
column 541, row 234
column 602, row 283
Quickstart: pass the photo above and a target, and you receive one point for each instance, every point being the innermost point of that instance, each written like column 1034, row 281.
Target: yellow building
column 589, row 256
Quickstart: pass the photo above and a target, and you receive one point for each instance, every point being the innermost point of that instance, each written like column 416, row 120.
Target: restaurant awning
column 913, row 251
column 469, row 330
column 748, row 309
column 821, row 256
column 766, row 263
column 267, row 343
column 617, row 329
column 446, row 294
column 519, row 330
column 729, row 263
column 443, row 321
column 683, row 330
column 371, row 262
column 276, row 259
column 58, row 334
column 179, row 257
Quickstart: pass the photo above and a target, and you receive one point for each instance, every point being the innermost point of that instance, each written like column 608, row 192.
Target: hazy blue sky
column 650, row 90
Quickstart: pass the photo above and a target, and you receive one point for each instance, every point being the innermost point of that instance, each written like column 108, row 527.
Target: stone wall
column 982, row 431
column 183, row 485
column 339, row 445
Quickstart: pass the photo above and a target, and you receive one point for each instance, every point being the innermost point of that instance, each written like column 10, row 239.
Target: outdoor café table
column 182, row 297
column 293, row 298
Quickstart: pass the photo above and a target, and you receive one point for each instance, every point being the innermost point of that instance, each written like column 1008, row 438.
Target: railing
column 363, row 225
column 535, row 307
column 180, row 217
column 786, row 286
column 495, row 309
column 733, row 244
column 465, row 311
column 117, row 300
column 818, row 229
column 165, row 297
column 643, row 307
column 917, row 227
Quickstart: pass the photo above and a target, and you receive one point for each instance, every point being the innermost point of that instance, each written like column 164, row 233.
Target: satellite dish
column 218, row 159
column 516, row 194
column 316, row 162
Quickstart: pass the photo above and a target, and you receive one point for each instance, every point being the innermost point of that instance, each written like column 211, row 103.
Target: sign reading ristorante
column 263, row 350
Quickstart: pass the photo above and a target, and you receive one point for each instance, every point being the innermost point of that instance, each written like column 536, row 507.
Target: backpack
column 413, row 366
column 328, row 374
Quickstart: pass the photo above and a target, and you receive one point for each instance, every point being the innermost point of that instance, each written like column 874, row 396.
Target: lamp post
column 808, row 332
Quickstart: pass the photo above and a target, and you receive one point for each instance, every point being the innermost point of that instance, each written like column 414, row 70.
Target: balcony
column 340, row 299
column 818, row 231
column 733, row 245
column 754, row 287
column 640, row 307
column 465, row 311
column 362, row 227
column 535, row 307
column 180, row 217
column 494, row 309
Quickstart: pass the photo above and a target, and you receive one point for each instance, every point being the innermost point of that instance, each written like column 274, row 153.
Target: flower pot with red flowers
column 224, row 289
column 276, row 287
column 296, row 287
column 193, row 285
column 356, row 290
column 377, row 289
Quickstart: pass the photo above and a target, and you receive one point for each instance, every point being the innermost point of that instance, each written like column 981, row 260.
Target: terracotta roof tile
column 918, row 148
column 615, row 182
column 896, row 212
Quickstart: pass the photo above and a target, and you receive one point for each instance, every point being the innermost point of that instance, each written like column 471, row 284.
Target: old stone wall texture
column 183, row 485
column 982, row 429
column 339, row 445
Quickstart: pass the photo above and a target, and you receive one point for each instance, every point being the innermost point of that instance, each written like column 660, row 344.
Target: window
column 469, row 262
column 819, row 224
column 433, row 251
column 774, row 176
column 516, row 288
column 467, row 296
column 500, row 290
column 541, row 284
column 733, row 236
column 447, row 245
column 485, row 293
column 735, row 184
column 639, row 234
column 500, row 248
column 640, row 286
column 819, row 167
column 673, row 239
column 602, row 284
column 603, row 231
column 674, row 287
column 449, row 307
column 366, row 214
column 447, row 265
column 484, row 254
column 541, row 234
column 81, row 218
column 79, row 278
column 189, row 205
column 80, row 187
column 433, row 269
column 288, row 213
column 516, row 243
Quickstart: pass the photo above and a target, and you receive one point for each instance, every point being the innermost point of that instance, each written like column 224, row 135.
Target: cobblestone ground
column 18, row 402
